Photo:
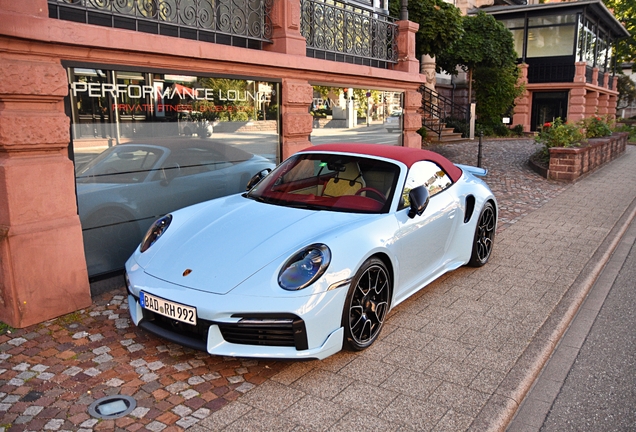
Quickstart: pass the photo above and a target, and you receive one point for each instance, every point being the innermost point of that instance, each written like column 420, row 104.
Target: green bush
column 517, row 130
column 559, row 134
column 596, row 127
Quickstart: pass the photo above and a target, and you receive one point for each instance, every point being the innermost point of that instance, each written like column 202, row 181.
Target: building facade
column 565, row 53
column 113, row 113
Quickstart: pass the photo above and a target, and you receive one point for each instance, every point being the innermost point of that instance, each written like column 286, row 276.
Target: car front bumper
column 293, row 327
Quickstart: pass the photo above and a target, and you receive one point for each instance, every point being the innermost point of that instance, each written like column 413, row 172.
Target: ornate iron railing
column 346, row 32
column 437, row 110
column 244, row 23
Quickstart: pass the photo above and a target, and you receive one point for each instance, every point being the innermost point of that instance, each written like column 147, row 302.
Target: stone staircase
column 446, row 134
column 436, row 107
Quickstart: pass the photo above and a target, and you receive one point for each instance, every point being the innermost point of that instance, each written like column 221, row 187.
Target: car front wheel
column 366, row 305
column 484, row 236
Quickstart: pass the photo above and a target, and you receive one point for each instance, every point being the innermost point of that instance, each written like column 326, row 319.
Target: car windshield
column 330, row 182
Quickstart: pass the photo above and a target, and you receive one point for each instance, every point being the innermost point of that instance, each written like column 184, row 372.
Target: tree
column 485, row 43
column 626, row 92
column 440, row 24
column 495, row 90
column 625, row 12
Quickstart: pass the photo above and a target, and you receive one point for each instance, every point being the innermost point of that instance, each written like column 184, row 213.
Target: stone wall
column 568, row 164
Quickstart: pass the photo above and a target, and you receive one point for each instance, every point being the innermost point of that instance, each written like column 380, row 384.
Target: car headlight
column 155, row 231
column 304, row 267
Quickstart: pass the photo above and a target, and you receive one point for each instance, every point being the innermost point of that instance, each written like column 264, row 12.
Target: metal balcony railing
column 549, row 72
column 348, row 32
column 245, row 23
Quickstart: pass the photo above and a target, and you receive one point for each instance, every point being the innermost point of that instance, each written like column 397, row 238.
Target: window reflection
column 348, row 114
column 148, row 144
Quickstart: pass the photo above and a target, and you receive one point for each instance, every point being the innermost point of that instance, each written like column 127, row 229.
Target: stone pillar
column 407, row 62
column 611, row 105
column 412, row 119
column 603, row 101
column 595, row 76
column 286, row 35
column 427, row 68
column 614, row 83
column 576, row 104
column 42, row 266
column 591, row 103
column 523, row 102
column 579, row 71
column 297, row 122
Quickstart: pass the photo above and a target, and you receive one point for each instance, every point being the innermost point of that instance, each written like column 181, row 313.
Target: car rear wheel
column 366, row 305
column 484, row 236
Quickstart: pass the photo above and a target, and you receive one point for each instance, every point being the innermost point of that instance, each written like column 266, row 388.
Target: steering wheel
column 373, row 191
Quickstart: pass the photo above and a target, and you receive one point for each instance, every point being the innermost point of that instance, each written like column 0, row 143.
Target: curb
column 503, row 405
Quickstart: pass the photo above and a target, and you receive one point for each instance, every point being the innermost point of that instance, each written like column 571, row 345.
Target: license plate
column 176, row 311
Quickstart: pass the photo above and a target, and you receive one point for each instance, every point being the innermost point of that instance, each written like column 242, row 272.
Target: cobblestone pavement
column 518, row 189
column 442, row 360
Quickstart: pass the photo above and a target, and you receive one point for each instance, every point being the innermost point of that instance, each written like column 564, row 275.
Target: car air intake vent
column 268, row 331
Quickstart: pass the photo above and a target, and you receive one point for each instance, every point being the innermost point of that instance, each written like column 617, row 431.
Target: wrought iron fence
column 244, row 23
column 345, row 32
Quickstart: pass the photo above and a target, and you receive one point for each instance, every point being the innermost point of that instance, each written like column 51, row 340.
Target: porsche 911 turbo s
column 313, row 257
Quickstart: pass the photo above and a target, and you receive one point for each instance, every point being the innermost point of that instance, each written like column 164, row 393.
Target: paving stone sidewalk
column 440, row 364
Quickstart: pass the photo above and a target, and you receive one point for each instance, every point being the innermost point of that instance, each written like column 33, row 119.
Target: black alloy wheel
column 366, row 305
column 484, row 236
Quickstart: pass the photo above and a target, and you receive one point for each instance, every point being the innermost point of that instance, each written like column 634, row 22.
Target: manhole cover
column 112, row 407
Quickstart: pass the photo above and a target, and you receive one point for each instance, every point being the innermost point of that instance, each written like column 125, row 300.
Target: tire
column 484, row 236
column 367, row 305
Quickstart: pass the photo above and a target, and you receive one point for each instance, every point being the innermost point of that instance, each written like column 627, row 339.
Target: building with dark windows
column 113, row 113
column 565, row 52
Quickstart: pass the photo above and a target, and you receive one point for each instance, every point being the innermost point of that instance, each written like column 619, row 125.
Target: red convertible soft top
column 408, row 156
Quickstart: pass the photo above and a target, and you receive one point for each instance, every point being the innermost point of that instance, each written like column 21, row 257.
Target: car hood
column 232, row 238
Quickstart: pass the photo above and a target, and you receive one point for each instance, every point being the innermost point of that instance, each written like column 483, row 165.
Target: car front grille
column 269, row 330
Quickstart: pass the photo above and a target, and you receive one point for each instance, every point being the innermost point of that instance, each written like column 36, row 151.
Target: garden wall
column 568, row 164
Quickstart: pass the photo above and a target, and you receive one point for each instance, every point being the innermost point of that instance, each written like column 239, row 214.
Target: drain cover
column 112, row 407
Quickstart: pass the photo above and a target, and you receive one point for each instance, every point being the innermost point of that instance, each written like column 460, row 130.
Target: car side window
column 428, row 174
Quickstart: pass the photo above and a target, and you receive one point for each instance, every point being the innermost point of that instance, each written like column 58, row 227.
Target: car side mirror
column 418, row 199
column 168, row 173
column 257, row 178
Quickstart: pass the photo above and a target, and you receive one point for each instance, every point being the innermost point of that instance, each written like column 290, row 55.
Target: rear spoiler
column 480, row 172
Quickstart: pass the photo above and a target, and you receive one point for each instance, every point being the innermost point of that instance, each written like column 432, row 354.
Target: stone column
column 427, row 68
column 522, row 103
column 286, row 37
column 591, row 103
column 407, row 62
column 579, row 71
column 576, row 104
column 297, row 122
column 42, row 266
column 611, row 105
column 603, row 100
column 412, row 119
column 595, row 76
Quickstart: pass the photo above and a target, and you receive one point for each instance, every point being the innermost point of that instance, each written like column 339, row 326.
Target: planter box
column 568, row 164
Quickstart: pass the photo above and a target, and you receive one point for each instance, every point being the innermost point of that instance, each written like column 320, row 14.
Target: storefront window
column 349, row 114
column 146, row 144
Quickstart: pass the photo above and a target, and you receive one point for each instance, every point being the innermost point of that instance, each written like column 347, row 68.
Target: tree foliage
column 626, row 91
column 486, row 51
column 440, row 24
column 495, row 91
column 625, row 12
column 485, row 43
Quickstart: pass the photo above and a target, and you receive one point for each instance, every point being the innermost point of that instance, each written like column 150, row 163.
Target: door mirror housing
column 418, row 200
column 257, row 178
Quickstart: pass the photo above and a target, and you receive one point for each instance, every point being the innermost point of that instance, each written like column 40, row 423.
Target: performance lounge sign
column 159, row 94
